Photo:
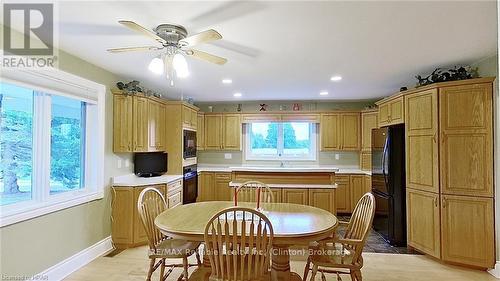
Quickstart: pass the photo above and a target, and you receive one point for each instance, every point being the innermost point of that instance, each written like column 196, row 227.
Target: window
column 51, row 145
column 281, row 141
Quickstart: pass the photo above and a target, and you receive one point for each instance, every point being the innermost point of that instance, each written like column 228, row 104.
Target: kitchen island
column 325, row 187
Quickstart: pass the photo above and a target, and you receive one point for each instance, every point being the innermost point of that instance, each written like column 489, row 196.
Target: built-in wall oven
column 189, row 144
column 190, row 185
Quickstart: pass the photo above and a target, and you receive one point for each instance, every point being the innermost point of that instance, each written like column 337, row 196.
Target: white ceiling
column 289, row 50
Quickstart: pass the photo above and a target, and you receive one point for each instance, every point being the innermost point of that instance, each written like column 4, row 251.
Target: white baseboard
column 496, row 270
column 78, row 260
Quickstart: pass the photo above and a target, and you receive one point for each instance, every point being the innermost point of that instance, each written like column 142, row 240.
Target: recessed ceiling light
column 237, row 95
column 324, row 93
column 336, row 78
column 227, row 81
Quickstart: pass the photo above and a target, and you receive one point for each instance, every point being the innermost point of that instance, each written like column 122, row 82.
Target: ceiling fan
column 175, row 41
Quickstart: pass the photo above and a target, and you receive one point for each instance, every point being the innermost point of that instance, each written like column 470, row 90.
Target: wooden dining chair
column 238, row 244
column 342, row 255
column 253, row 191
column 150, row 204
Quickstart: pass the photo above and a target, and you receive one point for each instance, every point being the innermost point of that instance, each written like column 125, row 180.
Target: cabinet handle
column 444, row 203
column 442, row 137
column 435, row 202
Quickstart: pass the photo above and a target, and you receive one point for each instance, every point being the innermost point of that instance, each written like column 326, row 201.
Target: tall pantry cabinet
column 449, row 164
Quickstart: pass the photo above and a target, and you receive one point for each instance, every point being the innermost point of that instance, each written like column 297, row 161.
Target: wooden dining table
column 293, row 225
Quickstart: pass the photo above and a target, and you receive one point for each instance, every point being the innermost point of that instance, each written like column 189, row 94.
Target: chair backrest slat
column 238, row 243
column 253, row 191
column 150, row 204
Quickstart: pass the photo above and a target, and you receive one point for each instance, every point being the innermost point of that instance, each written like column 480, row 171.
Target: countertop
column 297, row 169
column 133, row 180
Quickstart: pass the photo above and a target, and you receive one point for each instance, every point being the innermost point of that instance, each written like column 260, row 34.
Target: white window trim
column 313, row 155
column 65, row 84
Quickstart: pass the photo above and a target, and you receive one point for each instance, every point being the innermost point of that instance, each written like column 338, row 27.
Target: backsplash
column 345, row 159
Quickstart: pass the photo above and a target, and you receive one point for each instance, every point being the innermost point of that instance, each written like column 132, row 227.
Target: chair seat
column 174, row 248
column 332, row 255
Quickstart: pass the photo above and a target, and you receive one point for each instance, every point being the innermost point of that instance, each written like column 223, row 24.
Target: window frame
column 57, row 82
column 313, row 152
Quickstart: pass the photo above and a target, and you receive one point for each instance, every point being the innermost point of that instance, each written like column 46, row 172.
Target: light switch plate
column 337, row 156
column 127, row 163
column 228, row 156
column 119, row 164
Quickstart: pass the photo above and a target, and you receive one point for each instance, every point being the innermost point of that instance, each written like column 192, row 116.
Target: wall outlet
column 127, row 162
column 337, row 156
column 228, row 156
column 119, row 163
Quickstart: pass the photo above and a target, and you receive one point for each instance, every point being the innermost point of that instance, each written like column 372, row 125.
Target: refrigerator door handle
column 384, row 159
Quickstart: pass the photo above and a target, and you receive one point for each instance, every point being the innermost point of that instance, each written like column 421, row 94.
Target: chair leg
column 162, row 269
column 185, row 264
column 307, row 268
column 353, row 275
column 314, row 271
column 358, row 275
column 151, row 266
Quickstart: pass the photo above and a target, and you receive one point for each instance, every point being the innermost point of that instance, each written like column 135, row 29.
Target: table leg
column 280, row 268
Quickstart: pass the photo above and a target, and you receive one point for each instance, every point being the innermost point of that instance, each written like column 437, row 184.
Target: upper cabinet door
column 368, row 122
column 186, row 116
column 351, row 131
column 160, row 127
column 422, row 146
column 383, row 114
column 140, row 123
column 466, row 150
column 122, row 123
column 213, row 131
column 232, row 132
column 330, row 132
column 397, row 111
column 153, row 112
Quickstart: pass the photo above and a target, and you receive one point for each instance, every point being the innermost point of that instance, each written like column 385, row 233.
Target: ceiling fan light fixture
column 180, row 65
column 156, row 66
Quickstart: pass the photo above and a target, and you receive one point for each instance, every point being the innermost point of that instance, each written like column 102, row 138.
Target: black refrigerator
column 389, row 183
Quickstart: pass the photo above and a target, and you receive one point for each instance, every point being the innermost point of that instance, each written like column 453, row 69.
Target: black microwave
column 189, row 144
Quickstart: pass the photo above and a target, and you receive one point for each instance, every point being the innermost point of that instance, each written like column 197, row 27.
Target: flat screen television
column 150, row 164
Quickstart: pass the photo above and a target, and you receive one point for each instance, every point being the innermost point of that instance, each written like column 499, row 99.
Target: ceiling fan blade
column 206, row 56
column 226, row 11
column 142, row 30
column 200, row 38
column 128, row 49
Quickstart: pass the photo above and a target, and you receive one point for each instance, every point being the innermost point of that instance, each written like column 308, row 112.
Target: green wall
column 31, row 246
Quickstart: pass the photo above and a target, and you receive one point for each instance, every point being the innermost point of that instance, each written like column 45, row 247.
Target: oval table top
column 293, row 224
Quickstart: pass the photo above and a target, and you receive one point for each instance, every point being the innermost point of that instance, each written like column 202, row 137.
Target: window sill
column 39, row 209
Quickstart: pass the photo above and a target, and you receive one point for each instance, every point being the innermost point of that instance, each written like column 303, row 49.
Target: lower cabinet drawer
column 174, row 199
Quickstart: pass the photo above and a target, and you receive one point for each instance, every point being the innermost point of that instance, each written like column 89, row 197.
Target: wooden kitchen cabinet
column 368, row 122
column 358, row 188
column 330, row 132
column 213, row 132
column 342, row 194
column 467, row 230
column 466, row 150
column 206, row 187
column 223, row 131
column 200, row 132
column 391, row 111
column 140, row 123
column 122, row 123
column 231, row 132
column 340, row 131
column 126, row 227
column 295, row 196
column 189, row 117
column 422, row 144
column 156, row 134
column 222, row 189
column 323, row 199
column 423, row 222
